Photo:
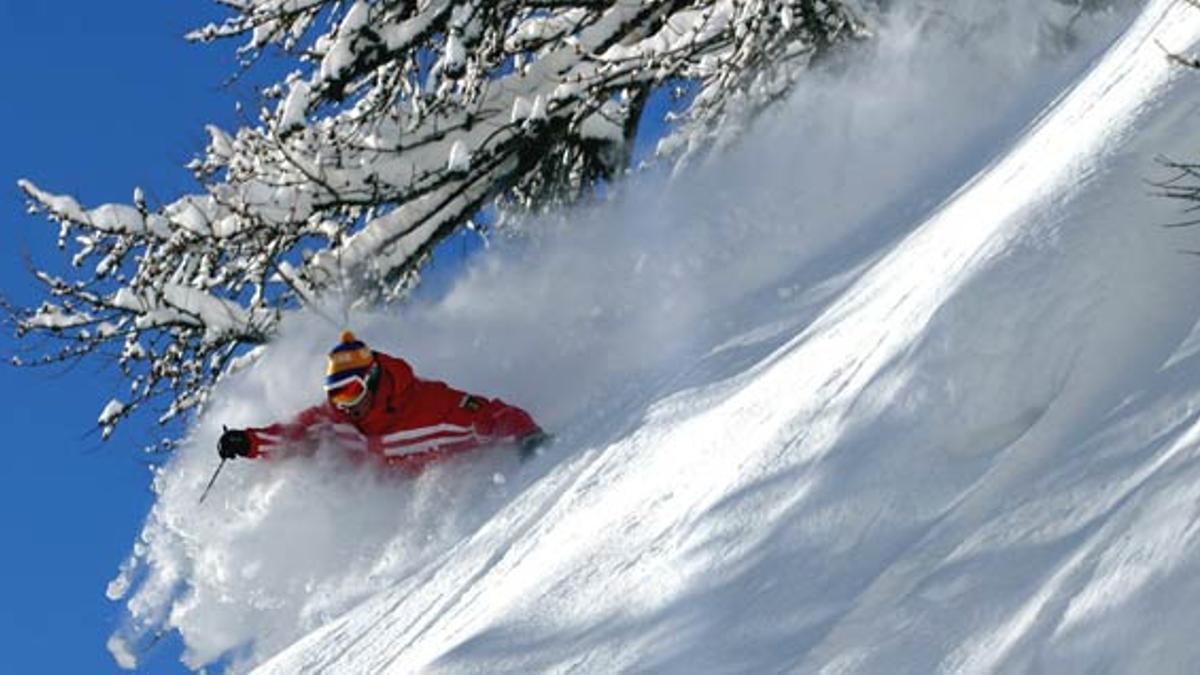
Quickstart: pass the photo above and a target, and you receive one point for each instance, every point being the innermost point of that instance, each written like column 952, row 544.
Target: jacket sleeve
column 463, row 423
column 497, row 421
column 265, row 441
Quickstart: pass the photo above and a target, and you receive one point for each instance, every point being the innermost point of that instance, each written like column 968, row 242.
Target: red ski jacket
column 412, row 422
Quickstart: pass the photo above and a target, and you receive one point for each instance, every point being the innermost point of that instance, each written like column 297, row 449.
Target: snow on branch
column 397, row 124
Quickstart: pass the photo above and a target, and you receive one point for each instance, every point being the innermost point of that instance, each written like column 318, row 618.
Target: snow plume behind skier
column 285, row 544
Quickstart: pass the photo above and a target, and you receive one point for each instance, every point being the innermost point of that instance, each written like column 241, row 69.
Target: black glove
column 234, row 443
column 530, row 444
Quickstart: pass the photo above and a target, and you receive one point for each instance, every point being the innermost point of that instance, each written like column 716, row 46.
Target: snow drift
column 907, row 384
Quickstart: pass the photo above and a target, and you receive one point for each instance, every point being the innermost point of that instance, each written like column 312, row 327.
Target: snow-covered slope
column 936, row 409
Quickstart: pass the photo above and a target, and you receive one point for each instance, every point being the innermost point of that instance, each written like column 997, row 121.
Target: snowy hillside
column 909, row 384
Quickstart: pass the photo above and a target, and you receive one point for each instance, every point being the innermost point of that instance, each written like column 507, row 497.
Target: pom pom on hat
column 348, row 358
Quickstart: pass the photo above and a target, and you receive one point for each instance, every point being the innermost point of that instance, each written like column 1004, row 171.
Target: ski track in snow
column 964, row 442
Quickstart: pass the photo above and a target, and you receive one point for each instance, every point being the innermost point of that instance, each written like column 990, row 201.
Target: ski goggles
column 347, row 393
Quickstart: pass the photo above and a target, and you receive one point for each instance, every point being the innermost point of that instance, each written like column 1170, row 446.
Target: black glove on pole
column 233, row 443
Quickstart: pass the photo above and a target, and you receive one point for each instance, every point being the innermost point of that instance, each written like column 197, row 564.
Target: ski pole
column 214, row 478
column 215, row 473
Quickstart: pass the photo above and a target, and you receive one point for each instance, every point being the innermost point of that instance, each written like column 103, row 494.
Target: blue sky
column 99, row 98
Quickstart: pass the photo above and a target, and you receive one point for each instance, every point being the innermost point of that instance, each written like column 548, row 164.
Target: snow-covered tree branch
column 400, row 121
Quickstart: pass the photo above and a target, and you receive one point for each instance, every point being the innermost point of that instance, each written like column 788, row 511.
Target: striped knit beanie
column 348, row 358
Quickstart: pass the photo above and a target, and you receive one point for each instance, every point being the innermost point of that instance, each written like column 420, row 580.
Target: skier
column 374, row 402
